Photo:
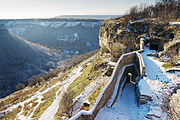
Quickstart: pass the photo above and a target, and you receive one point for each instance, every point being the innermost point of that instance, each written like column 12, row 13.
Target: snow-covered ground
column 157, row 84
column 153, row 67
column 52, row 109
column 35, row 95
column 160, row 83
column 125, row 107
column 87, row 91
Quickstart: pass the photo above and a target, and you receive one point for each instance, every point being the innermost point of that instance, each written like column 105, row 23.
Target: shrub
column 20, row 86
column 45, row 76
column 167, row 65
column 35, row 80
column 67, row 103
column 1, row 104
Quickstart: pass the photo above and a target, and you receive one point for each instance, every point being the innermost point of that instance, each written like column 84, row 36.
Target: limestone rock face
column 175, row 106
column 123, row 35
column 115, row 35
column 172, row 50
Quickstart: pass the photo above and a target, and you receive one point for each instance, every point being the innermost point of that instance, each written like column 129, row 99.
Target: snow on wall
column 119, row 69
column 118, row 86
column 141, row 62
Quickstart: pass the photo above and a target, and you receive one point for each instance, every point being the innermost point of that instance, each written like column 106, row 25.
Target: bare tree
column 163, row 9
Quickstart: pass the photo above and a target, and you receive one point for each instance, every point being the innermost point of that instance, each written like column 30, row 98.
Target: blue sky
column 50, row 8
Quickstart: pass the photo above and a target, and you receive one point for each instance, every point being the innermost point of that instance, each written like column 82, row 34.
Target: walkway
column 52, row 109
column 125, row 107
column 153, row 71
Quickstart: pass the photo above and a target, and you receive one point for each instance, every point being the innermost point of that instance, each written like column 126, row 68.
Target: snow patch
column 144, row 88
column 72, row 24
column 174, row 23
column 91, row 24
column 77, row 52
column 57, row 24
column 88, row 44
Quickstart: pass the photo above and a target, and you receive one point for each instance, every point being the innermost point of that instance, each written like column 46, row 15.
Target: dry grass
column 29, row 108
column 48, row 98
column 12, row 115
column 81, row 82
column 19, row 97
column 94, row 95
column 90, row 73
column 167, row 65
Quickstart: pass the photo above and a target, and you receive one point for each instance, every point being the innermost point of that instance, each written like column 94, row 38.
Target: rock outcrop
column 115, row 35
column 123, row 35
column 172, row 50
column 174, row 105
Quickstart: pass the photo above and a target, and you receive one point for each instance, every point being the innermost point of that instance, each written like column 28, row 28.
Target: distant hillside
column 68, row 36
column 86, row 17
column 30, row 47
column 20, row 59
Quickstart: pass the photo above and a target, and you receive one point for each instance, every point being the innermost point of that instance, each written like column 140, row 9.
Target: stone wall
column 133, row 58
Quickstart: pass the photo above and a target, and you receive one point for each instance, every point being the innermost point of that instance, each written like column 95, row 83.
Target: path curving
column 49, row 113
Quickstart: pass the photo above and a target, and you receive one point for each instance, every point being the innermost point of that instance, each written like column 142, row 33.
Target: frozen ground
column 52, row 109
column 125, row 107
column 153, row 70
column 159, row 84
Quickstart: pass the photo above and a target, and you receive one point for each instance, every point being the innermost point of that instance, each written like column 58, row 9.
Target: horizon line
column 55, row 17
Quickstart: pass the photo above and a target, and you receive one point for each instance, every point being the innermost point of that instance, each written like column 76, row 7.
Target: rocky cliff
column 172, row 50
column 175, row 106
column 116, row 37
column 122, row 35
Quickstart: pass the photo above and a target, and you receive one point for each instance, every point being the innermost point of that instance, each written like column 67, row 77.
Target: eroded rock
column 174, row 105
